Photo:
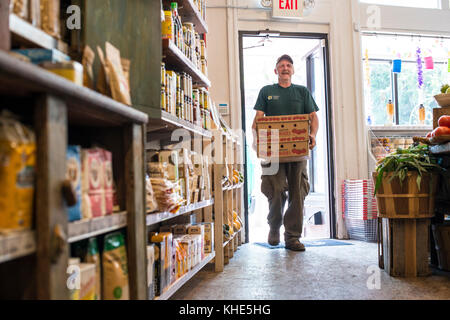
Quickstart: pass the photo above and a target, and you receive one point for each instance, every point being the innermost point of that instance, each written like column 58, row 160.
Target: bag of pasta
column 17, row 171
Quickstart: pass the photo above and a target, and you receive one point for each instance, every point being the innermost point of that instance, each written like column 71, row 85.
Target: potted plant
column 406, row 182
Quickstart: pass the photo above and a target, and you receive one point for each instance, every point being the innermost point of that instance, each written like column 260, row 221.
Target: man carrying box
column 282, row 99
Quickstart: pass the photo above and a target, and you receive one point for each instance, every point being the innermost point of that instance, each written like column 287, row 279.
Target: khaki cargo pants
column 291, row 178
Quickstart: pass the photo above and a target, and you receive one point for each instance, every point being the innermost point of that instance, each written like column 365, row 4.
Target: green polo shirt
column 274, row 100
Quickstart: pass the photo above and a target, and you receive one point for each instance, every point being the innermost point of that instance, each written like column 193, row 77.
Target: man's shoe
column 274, row 237
column 295, row 246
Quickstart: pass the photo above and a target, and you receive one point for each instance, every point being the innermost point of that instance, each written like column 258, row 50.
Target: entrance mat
column 308, row 243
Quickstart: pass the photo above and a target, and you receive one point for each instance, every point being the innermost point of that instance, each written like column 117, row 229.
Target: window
column 402, row 88
column 432, row 4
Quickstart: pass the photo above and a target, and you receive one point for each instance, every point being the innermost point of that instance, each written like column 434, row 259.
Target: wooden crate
column 441, row 234
column 405, row 247
column 439, row 112
column 397, row 200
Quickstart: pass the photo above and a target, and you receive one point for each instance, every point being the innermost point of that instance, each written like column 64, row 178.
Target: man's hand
column 312, row 142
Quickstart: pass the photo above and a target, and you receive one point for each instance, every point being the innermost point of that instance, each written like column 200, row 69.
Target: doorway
column 258, row 53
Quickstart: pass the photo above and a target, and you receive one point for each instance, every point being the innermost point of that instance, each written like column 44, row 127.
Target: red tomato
column 444, row 121
column 441, row 131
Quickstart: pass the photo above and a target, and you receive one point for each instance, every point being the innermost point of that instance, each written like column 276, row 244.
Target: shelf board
column 85, row 106
column 401, row 129
column 441, row 149
column 154, row 218
column 189, row 13
column 160, row 120
column 185, row 278
column 84, row 229
column 17, row 244
column 175, row 59
column 232, row 238
column 24, row 33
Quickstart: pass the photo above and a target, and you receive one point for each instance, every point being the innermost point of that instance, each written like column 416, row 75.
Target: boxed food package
column 71, row 70
column 163, row 260
column 199, row 229
column 151, row 271
column 73, row 173
column 188, row 246
column 166, row 228
column 209, row 237
column 291, row 139
column 195, row 246
column 108, row 181
column 115, row 268
column 73, row 281
column 92, row 183
column 180, row 257
column 88, row 281
column 38, row 56
column 17, row 174
column 181, row 229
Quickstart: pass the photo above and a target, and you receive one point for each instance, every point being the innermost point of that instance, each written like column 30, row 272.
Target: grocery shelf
column 88, row 228
column 174, row 58
column 160, row 120
column 17, row 244
column 85, row 106
column 189, row 13
column 23, row 32
column 154, row 218
column 185, row 278
column 401, row 129
column 441, row 149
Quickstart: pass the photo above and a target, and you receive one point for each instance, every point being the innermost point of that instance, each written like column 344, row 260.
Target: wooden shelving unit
column 185, row 278
column 62, row 113
column 175, row 59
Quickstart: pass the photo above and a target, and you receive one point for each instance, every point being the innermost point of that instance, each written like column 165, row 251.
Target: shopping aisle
column 320, row 273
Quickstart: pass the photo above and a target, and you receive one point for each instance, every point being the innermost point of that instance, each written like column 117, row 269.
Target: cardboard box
column 439, row 112
column 208, row 246
column 292, row 141
column 151, row 271
column 38, row 56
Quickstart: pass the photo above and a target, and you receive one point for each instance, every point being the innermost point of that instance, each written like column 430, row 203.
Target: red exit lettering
column 288, row 4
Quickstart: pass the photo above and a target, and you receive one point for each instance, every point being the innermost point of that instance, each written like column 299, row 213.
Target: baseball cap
column 285, row 57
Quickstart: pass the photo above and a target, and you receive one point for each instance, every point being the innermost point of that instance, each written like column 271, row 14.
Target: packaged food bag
column 17, row 174
column 115, row 268
column 120, row 88
column 20, row 8
column 88, row 62
column 73, row 173
column 103, row 78
column 93, row 256
column 152, row 205
column 50, row 17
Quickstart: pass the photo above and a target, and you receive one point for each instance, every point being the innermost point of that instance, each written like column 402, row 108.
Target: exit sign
column 287, row 8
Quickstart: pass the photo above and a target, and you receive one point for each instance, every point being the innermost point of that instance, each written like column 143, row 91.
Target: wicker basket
column 405, row 200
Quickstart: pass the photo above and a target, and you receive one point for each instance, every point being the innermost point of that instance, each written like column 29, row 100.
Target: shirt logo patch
column 270, row 98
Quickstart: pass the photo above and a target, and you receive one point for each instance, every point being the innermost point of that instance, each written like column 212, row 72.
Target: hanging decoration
column 367, row 67
column 429, row 62
column 419, row 67
column 397, row 64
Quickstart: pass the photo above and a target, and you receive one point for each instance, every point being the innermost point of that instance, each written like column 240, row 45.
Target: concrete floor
column 320, row 273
